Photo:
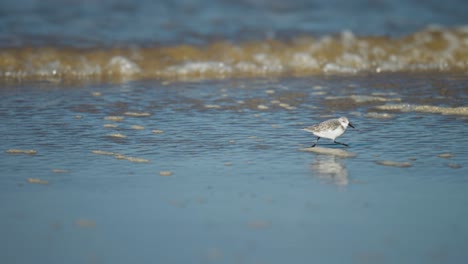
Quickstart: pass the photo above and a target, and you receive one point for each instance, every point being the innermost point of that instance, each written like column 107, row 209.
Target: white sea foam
column 122, row 65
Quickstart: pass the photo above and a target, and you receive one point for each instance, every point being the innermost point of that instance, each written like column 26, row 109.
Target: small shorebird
column 331, row 129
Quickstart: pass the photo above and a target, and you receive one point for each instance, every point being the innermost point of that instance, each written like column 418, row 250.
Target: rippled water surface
column 115, row 22
column 240, row 189
column 129, row 134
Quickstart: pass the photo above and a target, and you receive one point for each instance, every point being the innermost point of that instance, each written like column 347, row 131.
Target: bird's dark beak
column 351, row 125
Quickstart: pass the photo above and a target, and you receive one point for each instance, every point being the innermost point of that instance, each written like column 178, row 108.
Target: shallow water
column 241, row 190
column 130, row 135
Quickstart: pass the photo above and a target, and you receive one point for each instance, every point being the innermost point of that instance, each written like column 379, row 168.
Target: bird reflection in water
column 330, row 169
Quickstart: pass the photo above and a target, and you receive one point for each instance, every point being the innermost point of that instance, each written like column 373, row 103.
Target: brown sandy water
column 431, row 49
column 220, row 172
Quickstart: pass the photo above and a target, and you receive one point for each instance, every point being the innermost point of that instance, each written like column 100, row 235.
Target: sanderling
column 331, row 129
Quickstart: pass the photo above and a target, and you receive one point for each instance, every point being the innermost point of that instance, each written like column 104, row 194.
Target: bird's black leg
column 315, row 142
column 340, row 143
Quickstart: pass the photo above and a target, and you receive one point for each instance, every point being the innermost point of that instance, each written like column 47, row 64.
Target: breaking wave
column 432, row 49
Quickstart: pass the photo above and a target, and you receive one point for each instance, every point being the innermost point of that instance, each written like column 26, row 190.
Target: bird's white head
column 344, row 122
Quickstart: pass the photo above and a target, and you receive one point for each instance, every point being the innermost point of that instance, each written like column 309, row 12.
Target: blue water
column 241, row 191
column 115, row 22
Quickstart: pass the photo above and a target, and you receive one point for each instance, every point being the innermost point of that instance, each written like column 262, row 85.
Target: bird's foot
column 346, row 145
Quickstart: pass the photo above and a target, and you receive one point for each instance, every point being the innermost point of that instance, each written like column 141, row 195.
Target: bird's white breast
column 331, row 134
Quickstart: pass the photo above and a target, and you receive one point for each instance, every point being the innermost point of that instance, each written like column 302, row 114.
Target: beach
column 181, row 141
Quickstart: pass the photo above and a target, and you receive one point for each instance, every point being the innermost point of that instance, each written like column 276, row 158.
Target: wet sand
column 222, row 171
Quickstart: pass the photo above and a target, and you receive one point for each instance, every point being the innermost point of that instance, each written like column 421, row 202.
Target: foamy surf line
column 433, row 49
